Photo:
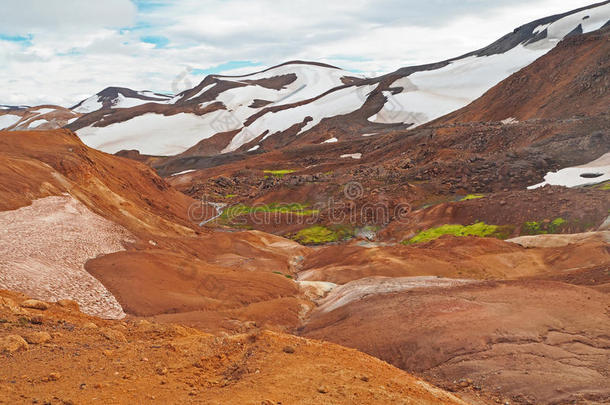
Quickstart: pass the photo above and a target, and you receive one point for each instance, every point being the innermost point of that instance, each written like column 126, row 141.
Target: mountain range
column 303, row 234
column 304, row 102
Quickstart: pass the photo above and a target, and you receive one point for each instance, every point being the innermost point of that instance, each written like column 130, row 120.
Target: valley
column 303, row 234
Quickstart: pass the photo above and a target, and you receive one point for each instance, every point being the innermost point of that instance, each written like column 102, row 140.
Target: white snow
column 93, row 103
column 147, row 93
column 510, row 120
column 426, row 95
column 572, row 176
column 352, row 155
column 41, row 111
column 127, row 102
column 598, row 16
column 342, row 101
column 162, row 135
column 8, row 120
column 152, row 134
column 540, row 28
column 255, row 147
column 43, row 249
column 331, row 140
column 183, row 172
column 89, row 105
column 431, row 94
column 36, row 123
column 205, row 88
column 311, row 81
column 71, row 120
column 373, row 134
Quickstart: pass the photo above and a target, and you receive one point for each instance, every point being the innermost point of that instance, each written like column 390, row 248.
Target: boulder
column 35, row 304
column 13, row 343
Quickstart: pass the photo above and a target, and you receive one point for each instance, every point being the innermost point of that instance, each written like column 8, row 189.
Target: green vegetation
column 544, row 227
column 318, row 234
column 241, row 209
column 278, row 173
column 477, row 229
column 282, row 274
column 603, row 186
column 472, row 197
column 556, row 225
column 532, row 228
column 231, row 196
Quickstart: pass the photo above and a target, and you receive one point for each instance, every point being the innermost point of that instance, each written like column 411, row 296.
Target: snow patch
column 352, row 155
column 331, row 140
column 152, row 134
column 255, row 147
column 205, row 88
column 428, row 95
column 508, row 121
column 8, row 120
column 36, row 123
column 182, row 172
column 339, row 102
column 89, row 105
column 41, row 111
column 594, row 172
column 44, row 247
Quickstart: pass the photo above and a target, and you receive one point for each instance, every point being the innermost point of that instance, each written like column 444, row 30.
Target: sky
column 63, row 51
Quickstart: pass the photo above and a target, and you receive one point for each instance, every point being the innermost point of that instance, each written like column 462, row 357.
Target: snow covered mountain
column 118, row 97
column 305, row 102
column 43, row 117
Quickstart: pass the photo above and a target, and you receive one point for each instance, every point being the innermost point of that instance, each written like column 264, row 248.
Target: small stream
column 219, row 207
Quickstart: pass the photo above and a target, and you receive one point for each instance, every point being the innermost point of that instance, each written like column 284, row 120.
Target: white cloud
column 40, row 16
column 79, row 47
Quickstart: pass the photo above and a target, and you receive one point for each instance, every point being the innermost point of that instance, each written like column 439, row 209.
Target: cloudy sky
column 61, row 51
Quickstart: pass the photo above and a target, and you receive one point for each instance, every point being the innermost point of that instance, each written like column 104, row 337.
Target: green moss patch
column 472, row 197
column 292, row 208
column 279, row 173
column 477, row 229
column 543, row 227
column 318, row 234
column 603, row 186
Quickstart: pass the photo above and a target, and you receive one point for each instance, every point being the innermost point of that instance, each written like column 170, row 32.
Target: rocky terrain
column 52, row 353
column 324, row 248
column 161, row 267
